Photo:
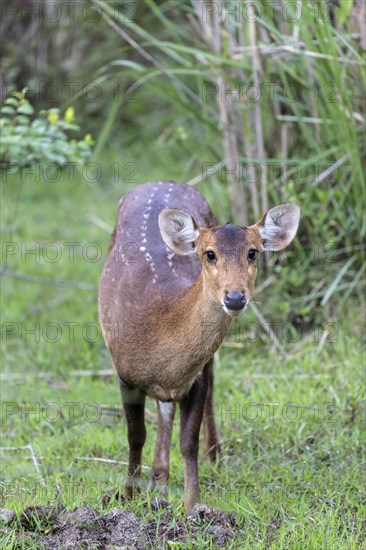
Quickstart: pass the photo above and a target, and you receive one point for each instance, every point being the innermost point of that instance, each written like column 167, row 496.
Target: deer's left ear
column 278, row 226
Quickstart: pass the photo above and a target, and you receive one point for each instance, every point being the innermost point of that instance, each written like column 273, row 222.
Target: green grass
column 292, row 425
column 293, row 475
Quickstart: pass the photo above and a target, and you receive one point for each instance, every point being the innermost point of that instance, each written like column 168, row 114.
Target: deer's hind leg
column 160, row 469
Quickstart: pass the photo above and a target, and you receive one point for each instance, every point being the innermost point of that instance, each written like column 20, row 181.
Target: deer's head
column 229, row 253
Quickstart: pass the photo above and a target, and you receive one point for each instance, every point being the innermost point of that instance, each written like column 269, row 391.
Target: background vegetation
column 255, row 106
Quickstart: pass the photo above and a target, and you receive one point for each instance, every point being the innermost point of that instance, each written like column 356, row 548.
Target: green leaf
column 58, row 159
column 26, row 109
column 22, row 119
column 8, row 110
column 12, row 101
column 39, row 124
column 22, row 129
column 10, row 139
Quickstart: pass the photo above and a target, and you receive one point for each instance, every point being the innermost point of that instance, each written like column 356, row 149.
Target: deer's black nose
column 235, row 300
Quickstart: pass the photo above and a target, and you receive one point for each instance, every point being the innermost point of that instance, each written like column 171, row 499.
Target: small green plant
column 25, row 142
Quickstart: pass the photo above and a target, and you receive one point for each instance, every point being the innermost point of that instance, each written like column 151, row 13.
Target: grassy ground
column 292, row 427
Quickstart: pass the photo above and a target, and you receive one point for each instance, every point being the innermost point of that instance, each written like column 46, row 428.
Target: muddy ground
column 84, row 528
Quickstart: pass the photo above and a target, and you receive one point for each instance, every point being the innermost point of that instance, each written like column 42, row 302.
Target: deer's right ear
column 178, row 230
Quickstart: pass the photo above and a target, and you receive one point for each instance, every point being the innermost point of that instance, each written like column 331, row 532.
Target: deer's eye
column 252, row 254
column 211, row 256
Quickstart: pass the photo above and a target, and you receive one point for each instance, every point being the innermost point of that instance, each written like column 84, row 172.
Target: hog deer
column 171, row 284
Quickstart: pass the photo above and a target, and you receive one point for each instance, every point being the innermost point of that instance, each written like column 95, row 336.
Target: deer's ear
column 178, row 230
column 278, row 226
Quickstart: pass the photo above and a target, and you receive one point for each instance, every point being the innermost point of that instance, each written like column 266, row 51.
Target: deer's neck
column 199, row 319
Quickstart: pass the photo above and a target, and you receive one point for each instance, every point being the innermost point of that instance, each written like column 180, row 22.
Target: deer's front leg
column 192, row 407
column 134, row 407
column 211, row 440
column 160, row 469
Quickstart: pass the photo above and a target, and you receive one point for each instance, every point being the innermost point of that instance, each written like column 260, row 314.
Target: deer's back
column 138, row 255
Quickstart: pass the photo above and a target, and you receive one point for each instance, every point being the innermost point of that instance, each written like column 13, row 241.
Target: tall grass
column 271, row 100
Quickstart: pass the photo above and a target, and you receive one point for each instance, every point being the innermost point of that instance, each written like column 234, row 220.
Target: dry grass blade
column 267, row 327
column 321, row 177
column 100, row 223
column 33, row 456
column 257, row 73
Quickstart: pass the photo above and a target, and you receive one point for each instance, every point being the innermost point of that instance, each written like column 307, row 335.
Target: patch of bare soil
column 53, row 528
column 208, row 523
